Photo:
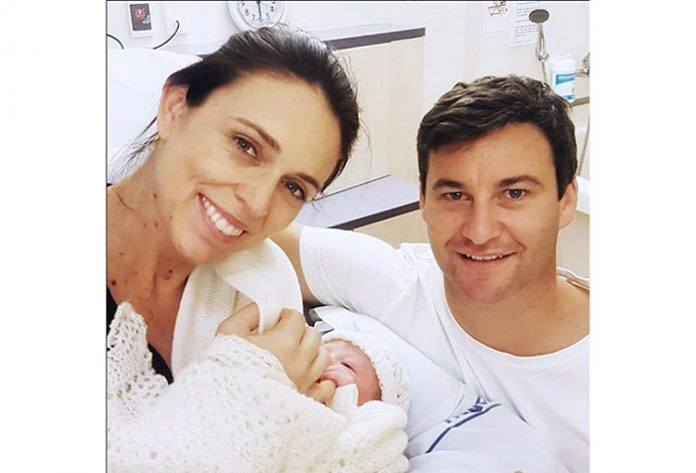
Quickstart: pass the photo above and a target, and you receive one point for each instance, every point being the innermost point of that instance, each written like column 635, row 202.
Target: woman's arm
column 234, row 409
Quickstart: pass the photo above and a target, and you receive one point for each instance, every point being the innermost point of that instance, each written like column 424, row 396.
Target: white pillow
column 435, row 394
column 135, row 77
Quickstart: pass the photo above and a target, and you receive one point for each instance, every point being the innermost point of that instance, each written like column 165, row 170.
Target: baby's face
column 349, row 365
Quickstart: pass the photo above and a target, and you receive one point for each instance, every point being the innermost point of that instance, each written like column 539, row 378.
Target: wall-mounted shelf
column 361, row 205
column 581, row 101
column 339, row 38
column 367, row 35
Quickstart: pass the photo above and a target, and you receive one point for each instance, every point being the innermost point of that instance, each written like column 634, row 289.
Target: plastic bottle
column 563, row 77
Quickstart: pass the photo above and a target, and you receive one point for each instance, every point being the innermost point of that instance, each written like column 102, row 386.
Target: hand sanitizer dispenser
column 563, row 77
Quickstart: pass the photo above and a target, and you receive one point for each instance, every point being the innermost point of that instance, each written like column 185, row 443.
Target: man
column 497, row 160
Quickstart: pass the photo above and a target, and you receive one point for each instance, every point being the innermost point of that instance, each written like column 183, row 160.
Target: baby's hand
column 294, row 343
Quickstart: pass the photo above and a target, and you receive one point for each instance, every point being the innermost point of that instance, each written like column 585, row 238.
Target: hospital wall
column 457, row 43
column 460, row 43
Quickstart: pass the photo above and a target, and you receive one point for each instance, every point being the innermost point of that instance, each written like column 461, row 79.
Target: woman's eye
column 245, row 146
column 296, row 190
column 516, row 194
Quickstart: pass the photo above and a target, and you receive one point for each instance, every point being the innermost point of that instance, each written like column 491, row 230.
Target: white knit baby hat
column 390, row 371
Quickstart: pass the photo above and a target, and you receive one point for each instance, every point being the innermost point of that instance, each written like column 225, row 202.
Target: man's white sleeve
column 353, row 270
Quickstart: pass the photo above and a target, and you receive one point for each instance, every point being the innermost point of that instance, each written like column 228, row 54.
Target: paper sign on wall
column 521, row 31
column 496, row 17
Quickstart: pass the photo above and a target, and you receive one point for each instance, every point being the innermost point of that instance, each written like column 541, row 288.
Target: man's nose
column 481, row 224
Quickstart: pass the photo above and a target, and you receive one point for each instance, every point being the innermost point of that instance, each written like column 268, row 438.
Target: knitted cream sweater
column 233, row 410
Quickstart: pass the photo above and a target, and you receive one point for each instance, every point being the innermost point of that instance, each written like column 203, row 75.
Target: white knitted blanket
column 233, row 410
column 231, row 407
column 262, row 274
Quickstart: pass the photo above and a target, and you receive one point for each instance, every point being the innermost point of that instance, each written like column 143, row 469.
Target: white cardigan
column 231, row 407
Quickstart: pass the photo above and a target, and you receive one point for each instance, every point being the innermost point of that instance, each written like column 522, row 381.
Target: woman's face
column 239, row 167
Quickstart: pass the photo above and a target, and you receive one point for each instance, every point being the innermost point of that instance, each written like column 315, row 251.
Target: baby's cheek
column 369, row 389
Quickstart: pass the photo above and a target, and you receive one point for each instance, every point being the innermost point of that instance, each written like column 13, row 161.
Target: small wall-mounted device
column 139, row 19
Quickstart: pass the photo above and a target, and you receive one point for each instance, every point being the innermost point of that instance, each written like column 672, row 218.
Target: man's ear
column 172, row 106
column 421, row 203
column 568, row 203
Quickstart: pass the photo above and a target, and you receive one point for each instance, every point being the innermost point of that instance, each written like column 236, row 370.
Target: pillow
column 135, row 78
column 435, row 394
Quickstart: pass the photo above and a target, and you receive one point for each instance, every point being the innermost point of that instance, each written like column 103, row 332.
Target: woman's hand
column 296, row 345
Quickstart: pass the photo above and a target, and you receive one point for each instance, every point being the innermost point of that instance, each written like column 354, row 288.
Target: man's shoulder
column 421, row 251
column 419, row 258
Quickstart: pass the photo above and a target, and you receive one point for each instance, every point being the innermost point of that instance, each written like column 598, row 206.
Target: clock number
column 245, row 14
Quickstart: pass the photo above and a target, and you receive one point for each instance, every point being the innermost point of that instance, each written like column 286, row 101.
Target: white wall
column 457, row 44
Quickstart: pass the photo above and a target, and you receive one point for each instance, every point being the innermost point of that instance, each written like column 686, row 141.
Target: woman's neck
column 139, row 244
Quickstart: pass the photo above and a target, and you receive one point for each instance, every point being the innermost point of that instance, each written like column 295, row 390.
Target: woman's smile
column 221, row 223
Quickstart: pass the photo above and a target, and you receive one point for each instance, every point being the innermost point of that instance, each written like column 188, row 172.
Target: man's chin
column 486, row 295
column 484, row 290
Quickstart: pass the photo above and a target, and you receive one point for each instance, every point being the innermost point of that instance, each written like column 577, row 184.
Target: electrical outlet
column 139, row 19
column 173, row 12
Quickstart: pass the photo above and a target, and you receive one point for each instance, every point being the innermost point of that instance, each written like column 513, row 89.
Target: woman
column 244, row 138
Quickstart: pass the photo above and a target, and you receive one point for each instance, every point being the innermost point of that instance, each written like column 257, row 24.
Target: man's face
column 493, row 214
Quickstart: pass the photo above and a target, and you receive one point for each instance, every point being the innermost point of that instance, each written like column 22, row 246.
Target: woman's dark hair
column 280, row 50
column 470, row 111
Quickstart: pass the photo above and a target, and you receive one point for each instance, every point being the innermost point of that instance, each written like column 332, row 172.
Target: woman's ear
column 567, row 204
column 171, row 107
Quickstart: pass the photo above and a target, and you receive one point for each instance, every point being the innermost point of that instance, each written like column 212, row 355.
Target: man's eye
column 516, row 194
column 245, row 146
column 454, row 195
column 296, row 190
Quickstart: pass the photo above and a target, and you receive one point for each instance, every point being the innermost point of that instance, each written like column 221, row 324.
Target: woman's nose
column 257, row 196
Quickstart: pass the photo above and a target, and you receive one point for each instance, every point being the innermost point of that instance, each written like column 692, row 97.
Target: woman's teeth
column 219, row 221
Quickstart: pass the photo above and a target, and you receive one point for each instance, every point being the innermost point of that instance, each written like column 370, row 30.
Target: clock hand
column 258, row 4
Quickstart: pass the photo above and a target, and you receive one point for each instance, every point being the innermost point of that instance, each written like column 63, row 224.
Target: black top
column 158, row 363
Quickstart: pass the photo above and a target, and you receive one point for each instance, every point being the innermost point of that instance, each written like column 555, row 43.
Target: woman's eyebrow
column 274, row 144
column 310, row 180
column 263, row 133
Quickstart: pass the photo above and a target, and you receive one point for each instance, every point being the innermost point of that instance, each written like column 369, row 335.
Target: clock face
column 255, row 14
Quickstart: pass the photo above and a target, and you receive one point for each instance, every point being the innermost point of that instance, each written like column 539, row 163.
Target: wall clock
column 256, row 14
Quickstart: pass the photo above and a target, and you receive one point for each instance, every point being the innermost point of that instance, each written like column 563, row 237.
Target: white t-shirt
column 404, row 288
column 450, row 428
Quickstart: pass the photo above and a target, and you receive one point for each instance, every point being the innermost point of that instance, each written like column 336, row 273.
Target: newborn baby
column 363, row 369
column 235, row 409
